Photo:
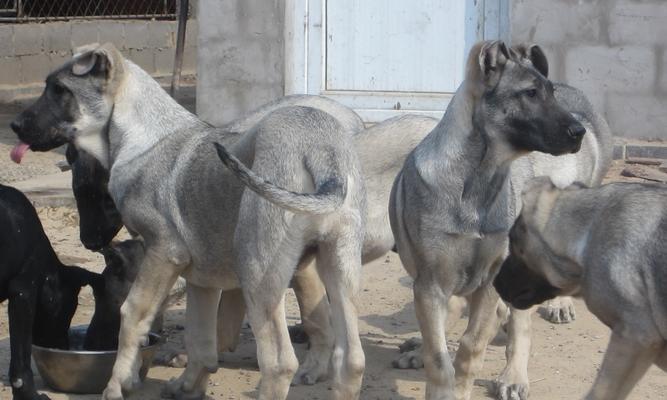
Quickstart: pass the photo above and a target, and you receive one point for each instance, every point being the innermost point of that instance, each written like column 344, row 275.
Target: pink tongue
column 18, row 151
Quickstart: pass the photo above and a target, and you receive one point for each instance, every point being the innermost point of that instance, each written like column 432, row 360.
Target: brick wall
column 29, row 51
column 615, row 51
column 240, row 57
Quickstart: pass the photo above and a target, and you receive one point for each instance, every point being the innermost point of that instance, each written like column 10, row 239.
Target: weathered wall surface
column 240, row 61
column 614, row 50
column 29, row 51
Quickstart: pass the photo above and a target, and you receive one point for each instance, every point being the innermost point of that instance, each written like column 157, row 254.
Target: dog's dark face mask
column 518, row 103
column 516, row 282
column 74, row 107
column 49, row 122
column 520, row 286
column 99, row 219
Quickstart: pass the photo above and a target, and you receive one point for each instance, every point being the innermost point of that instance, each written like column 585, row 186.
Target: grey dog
column 198, row 221
column 606, row 244
column 458, row 194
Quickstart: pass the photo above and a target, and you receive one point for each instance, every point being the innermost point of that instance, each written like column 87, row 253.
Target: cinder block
column 112, row 32
column 638, row 23
column 11, row 71
column 164, row 61
column 34, row 68
column 143, row 58
column 618, row 69
column 6, row 40
column 84, row 33
column 28, row 39
column 57, row 36
column 136, row 34
column 191, row 33
column 663, row 68
column 189, row 61
column 162, row 34
column 57, row 59
column 637, row 116
column 559, row 22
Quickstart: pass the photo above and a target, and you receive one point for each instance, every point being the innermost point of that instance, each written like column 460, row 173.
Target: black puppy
column 122, row 264
column 42, row 292
column 99, row 219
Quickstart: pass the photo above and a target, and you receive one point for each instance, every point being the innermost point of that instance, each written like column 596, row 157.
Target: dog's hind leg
column 200, row 344
column 156, row 277
column 513, row 381
column 625, row 362
column 22, row 304
column 314, row 307
column 275, row 355
column 482, row 326
column 339, row 264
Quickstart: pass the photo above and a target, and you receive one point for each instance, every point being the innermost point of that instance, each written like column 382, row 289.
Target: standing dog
column 42, row 292
column 197, row 220
column 607, row 245
column 457, row 195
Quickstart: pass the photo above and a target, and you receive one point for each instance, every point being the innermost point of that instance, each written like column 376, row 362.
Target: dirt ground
column 564, row 358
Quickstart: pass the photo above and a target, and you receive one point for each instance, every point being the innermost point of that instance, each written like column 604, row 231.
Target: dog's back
column 627, row 238
column 21, row 236
column 588, row 165
column 382, row 150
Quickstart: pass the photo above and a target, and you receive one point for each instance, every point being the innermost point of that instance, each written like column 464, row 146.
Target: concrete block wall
column 29, row 51
column 240, row 61
column 615, row 51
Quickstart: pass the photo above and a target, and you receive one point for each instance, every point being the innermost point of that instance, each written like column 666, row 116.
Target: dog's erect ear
column 492, row 58
column 104, row 60
column 485, row 64
column 112, row 258
column 534, row 54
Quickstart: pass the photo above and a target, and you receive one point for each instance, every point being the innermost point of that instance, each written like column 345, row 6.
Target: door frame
column 305, row 58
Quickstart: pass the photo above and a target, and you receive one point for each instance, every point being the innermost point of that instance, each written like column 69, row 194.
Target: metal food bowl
column 81, row 371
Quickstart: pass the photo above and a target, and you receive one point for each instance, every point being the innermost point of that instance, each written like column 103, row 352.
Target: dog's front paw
column 511, row 391
column 411, row 355
column 560, row 310
column 113, row 391
column 315, row 367
column 174, row 390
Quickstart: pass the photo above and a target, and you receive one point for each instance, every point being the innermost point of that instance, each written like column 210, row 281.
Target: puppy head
column 515, row 103
column 76, row 104
column 59, row 299
column 534, row 270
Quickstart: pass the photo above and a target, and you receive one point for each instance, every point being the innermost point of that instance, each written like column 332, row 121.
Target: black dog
column 99, row 219
column 42, row 292
column 122, row 264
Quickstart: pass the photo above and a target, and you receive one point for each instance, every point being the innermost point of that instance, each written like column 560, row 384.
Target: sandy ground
column 564, row 358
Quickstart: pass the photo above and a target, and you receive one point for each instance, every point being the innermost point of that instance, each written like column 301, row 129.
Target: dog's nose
column 16, row 125
column 576, row 131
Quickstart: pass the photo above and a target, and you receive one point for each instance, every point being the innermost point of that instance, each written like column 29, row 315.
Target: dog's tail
column 328, row 197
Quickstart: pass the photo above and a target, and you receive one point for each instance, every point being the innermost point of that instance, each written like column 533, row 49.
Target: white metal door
column 384, row 57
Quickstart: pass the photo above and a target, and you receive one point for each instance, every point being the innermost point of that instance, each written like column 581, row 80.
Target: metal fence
column 50, row 10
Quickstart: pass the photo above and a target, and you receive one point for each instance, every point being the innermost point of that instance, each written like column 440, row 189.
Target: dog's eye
column 530, row 92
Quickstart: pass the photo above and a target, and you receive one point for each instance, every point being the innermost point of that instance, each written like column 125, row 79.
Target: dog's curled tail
column 328, row 197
